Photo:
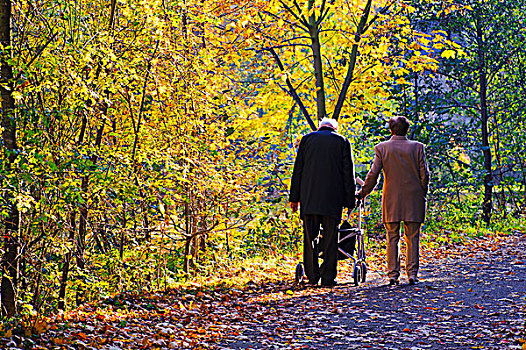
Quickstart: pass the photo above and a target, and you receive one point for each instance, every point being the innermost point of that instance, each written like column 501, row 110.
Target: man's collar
column 326, row 128
column 397, row 137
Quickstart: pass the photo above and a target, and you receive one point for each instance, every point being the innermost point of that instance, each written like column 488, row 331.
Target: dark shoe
column 413, row 281
column 313, row 282
column 329, row 284
column 393, row 282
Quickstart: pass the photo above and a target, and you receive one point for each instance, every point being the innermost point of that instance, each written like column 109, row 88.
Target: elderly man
column 406, row 180
column 322, row 184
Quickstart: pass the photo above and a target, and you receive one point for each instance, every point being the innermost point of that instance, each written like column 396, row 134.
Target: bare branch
column 383, row 11
column 38, row 53
column 504, row 61
column 112, row 13
column 299, row 11
column 286, row 45
column 300, row 18
column 285, row 20
column 352, row 62
column 292, row 90
column 458, row 80
column 322, row 15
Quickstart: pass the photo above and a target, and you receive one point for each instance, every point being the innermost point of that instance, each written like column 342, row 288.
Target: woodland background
column 148, row 143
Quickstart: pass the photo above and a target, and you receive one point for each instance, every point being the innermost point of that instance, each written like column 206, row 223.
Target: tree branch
column 457, row 80
column 38, row 53
column 300, row 17
column 285, row 45
column 285, row 20
column 112, row 13
column 352, row 62
column 383, row 11
column 292, row 91
column 322, row 15
column 141, row 108
column 505, row 61
column 306, row 23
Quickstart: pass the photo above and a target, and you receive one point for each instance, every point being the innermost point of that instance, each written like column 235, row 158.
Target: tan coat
column 406, row 179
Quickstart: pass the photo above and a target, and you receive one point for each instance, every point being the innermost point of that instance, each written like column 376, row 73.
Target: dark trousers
column 311, row 227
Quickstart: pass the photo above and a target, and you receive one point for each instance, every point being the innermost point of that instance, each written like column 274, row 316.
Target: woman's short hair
column 399, row 126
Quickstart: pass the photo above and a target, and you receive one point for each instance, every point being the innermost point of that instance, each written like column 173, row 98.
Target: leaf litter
column 471, row 295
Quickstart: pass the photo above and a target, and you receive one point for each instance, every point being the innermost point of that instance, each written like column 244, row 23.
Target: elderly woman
column 406, row 181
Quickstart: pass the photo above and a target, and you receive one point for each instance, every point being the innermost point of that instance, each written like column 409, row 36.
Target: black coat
column 323, row 176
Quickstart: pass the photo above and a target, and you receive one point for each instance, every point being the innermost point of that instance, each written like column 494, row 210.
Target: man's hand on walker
column 358, row 199
column 294, row 206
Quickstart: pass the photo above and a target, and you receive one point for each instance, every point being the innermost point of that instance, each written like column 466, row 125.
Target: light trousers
column 412, row 239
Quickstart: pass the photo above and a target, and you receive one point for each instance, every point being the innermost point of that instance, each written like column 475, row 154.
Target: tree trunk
column 502, row 199
column 122, row 236
column 113, row 5
column 457, row 191
column 318, row 67
column 189, row 234
column 186, row 262
column 65, row 267
column 483, row 86
column 9, row 263
column 84, row 210
column 523, row 168
column 83, row 217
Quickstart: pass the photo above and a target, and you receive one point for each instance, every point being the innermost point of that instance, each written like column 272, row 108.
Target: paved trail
column 475, row 298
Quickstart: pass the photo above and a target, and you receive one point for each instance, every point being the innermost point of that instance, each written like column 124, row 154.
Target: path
column 471, row 300
column 472, row 296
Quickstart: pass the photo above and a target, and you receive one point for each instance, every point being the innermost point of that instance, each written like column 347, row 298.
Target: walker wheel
column 364, row 271
column 357, row 274
column 299, row 273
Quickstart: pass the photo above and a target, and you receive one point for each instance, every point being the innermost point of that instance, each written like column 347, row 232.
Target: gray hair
column 331, row 123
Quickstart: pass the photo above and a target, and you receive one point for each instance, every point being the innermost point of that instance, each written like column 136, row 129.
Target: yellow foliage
column 275, row 27
column 169, row 120
column 449, row 54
